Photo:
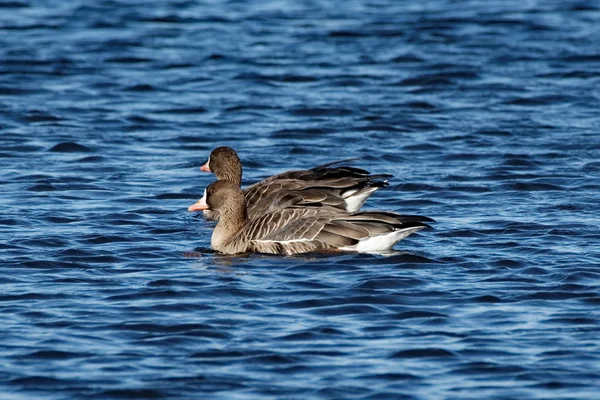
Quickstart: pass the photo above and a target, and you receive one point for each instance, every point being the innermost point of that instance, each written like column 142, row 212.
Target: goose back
column 330, row 185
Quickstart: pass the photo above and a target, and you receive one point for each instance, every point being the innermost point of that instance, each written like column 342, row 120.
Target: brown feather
column 335, row 240
column 343, row 228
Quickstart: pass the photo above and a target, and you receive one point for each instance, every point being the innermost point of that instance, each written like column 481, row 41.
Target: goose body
column 303, row 229
column 330, row 185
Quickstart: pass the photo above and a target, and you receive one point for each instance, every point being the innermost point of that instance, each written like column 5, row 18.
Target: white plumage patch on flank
column 382, row 242
column 355, row 199
column 349, row 193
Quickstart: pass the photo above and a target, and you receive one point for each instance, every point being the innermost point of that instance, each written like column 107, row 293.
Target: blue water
column 487, row 113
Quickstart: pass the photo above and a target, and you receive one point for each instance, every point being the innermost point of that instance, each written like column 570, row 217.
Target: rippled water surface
column 486, row 113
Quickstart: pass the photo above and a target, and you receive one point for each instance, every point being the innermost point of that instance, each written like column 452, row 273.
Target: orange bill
column 199, row 205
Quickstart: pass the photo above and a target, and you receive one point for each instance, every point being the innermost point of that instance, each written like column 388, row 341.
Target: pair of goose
column 315, row 210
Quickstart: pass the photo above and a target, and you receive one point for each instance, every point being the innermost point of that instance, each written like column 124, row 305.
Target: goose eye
column 212, row 157
column 212, row 191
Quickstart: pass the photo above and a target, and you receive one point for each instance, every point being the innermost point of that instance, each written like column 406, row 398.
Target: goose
column 329, row 185
column 304, row 229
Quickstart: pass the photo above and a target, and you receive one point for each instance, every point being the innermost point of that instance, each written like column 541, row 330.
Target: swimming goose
column 304, row 229
column 330, row 185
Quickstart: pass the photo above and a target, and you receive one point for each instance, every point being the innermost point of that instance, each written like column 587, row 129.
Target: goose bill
column 205, row 167
column 199, row 205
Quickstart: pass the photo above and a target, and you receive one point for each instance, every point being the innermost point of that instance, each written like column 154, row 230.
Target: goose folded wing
column 327, row 230
column 328, row 171
column 291, row 225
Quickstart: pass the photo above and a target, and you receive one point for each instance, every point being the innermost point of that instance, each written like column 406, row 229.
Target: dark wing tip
column 414, row 224
column 400, row 217
column 334, row 163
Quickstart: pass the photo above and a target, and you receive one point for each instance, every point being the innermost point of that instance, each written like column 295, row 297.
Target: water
column 487, row 115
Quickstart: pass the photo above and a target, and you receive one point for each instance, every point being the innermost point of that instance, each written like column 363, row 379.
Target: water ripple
column 485, row 114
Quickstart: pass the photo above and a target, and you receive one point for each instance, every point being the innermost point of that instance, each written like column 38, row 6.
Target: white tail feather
column 354, row 200
column 382, row 242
